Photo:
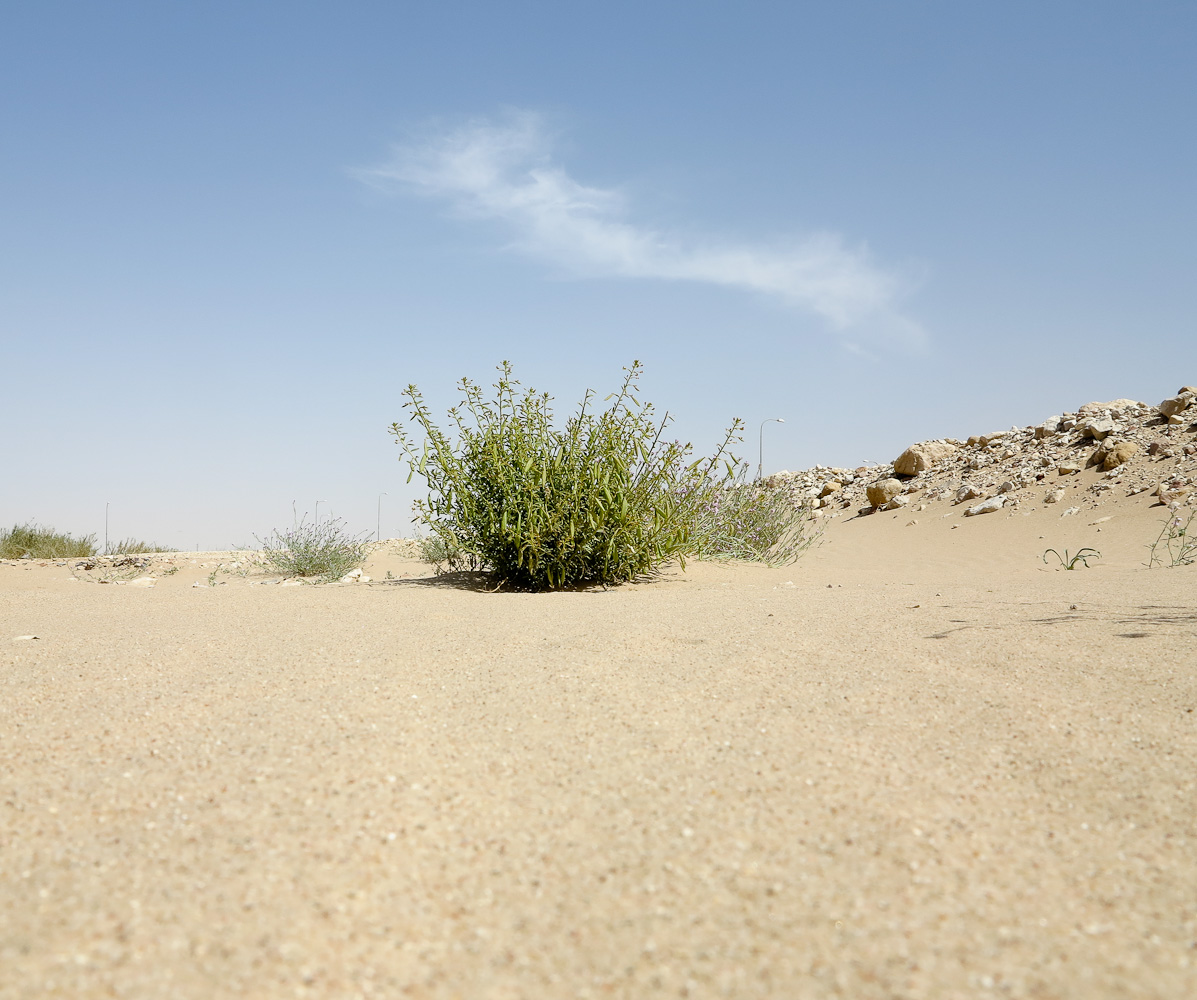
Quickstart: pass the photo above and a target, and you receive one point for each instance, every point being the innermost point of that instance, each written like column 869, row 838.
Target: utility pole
column 760, row 461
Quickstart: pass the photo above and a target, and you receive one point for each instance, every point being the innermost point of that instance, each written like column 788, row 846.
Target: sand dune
column 918, row 763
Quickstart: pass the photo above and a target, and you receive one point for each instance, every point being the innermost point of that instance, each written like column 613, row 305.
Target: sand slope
column 917, row 764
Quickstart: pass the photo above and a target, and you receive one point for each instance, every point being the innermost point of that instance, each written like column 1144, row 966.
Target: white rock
column 143, row 581
column 1115, row 408
column 1048, row 428
column 986, row 506
column 1098, row 428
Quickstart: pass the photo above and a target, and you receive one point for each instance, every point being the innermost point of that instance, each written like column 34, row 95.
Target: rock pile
column 1129, row 446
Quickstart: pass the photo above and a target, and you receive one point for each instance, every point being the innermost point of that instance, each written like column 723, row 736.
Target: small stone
column 829, row 487
column 1170, row 495
column 1175, row 420
column 1068, row 469
column 1053, row 496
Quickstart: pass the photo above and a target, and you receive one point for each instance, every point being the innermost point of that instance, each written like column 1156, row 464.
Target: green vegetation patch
column 133, row 546
column 604, row 500
column 324, row 550
column 28, row 541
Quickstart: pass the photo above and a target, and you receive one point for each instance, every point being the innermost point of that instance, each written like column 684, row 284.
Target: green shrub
column 30, row 541
column 605, row 500
column 322, row 550
column 433, row 550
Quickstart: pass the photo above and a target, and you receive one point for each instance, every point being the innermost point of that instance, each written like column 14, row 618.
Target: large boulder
column 1119, row 454
column 883, row 491
column 1113, row 406
column 1049, row 427
column 1177, row 404
column 1098, row 428
column 922, row 456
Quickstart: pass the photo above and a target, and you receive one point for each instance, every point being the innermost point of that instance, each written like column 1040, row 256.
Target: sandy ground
column 919, row 763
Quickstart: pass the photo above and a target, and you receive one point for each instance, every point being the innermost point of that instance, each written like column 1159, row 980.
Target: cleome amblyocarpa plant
column 1176, row 544
column 603, row 500
column 323, row 550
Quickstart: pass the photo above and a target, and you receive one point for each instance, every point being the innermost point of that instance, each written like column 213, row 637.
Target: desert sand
column 917, row 763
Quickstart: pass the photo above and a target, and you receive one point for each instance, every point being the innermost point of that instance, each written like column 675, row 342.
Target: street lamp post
column 760, row 461
column 378, row 523
column 107, row 503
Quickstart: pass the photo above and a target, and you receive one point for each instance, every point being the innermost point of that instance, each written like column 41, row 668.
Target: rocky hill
column 1125, row 447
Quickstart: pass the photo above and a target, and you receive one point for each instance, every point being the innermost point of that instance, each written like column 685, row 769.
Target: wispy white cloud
column 504, row 171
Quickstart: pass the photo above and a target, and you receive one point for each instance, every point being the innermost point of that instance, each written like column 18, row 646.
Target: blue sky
column 232, row 233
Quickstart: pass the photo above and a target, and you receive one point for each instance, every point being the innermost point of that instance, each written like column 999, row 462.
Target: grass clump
column 604, row 500
column 28, row 541
column 324, row 550
column 1176, row 544
column 754, row 522
column 133, row 546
